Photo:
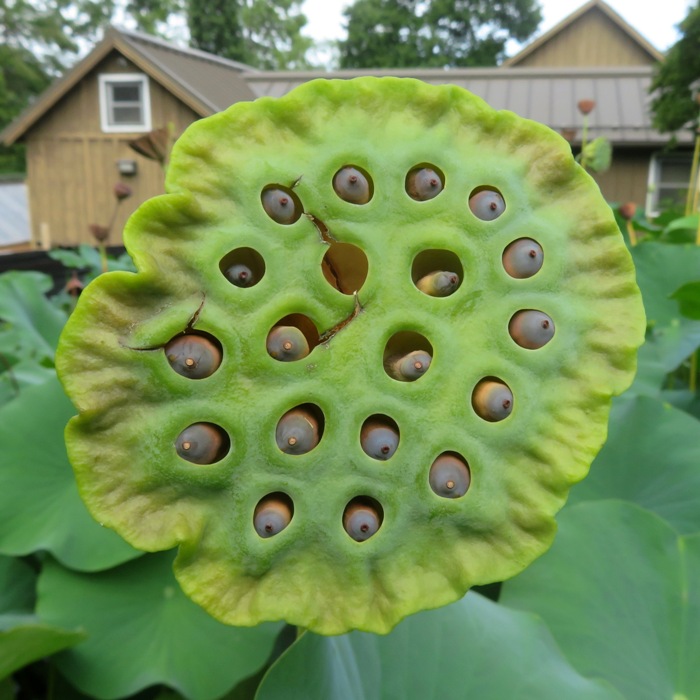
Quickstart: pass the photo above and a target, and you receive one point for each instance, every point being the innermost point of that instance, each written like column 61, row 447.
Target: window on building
column 125, row 103
column 669, row 176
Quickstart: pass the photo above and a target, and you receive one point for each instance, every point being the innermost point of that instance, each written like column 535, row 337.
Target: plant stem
column 693, row 382
column 693, row 184
column 631, row 233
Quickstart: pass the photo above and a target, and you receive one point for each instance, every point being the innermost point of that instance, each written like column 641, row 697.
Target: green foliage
column 408, row 33
column 674, row 87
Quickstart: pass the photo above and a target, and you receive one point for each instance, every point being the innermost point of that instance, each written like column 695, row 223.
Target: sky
column 655, row 20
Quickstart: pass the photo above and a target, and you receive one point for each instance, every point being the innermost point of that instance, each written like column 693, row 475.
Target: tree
column 408, row 33
column 262, row 33
column 676, row 83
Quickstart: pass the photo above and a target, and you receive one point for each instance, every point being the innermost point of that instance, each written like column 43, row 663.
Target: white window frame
column 107, row 79
column 652, row 204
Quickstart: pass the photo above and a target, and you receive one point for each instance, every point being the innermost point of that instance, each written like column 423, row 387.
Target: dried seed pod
column 523, row 258
column 531, row 329
column 409, row 367
column 272, row 515
column 240, row 275
column 486, row 204
column 201, row 443
column 193, row 356
column 423, row 184
column 492, row 400
column 352, row 185
column 297, row 432
column 361, row 520
column 281, row 205
column 449, row 476
column 379, row 439
column 287, row 344
column 440, row 283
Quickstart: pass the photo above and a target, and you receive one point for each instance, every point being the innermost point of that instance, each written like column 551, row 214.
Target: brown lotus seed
column 531, row 329
column 492, row 400
column 193, row 356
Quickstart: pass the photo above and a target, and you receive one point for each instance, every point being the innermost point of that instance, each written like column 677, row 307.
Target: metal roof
column 14, row 218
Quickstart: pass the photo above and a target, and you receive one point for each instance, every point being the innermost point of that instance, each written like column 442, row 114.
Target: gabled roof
column 204, row 82
column 590, row 6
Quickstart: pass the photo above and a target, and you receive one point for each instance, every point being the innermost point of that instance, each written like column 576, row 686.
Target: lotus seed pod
column 280, row 205
column 423, row 184
column 271, row 516
column 379, row 439
column 523, row 258
column 200, row 443
column 297, row 432
column 487, row 204
column 352, row 185
column 223, row 205
column 449, row 476
column 531, row 329
column 240, row 275
column 492, row 400
column 439, row 283
column 409, row 367
column 287, row 344
column 361, row 521
column 193, row 356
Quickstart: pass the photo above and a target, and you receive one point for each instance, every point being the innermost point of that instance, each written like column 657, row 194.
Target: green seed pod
column 439, row 283
column 492, row 400
column 287, row 344
column 297, row 432
column 193, row 356
column 531, row 329
column 409, row 367
column 449, row 476
column 272, row 515
column 223, row 206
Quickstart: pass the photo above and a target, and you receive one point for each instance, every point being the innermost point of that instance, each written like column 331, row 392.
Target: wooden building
column 77, row 132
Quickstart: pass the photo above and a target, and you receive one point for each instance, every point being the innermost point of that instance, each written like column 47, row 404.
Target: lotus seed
column 439, row 283
column 240, row 275
column 280, row 205
column 193, row 356
column 486, row 204
column 492, row 400
column 409, row 367
column 423, row 184
column 200, row 443
column 287, row 344
column 379, row 439
column 352, row 185
column 297, row 432
column 449, row 476
column 523, row 258
column 361, row 521
column 271, row 516
column 531, row 329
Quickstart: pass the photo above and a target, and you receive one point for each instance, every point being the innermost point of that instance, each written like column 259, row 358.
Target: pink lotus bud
column 101, row 233
column 122, row 191
column 627, row 210
column 586, row 106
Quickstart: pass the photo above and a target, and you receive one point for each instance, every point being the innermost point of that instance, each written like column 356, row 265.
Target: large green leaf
column 688, row 297
column 21, row 374
column 25, row 310
column 40, row 508
column 652, row 457
column 142, row 631
column 471, row 649
column 620, row 591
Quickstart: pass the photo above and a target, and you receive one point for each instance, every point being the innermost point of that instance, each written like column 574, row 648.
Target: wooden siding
column 592, row 40
column 626, row 181
column 72, row 165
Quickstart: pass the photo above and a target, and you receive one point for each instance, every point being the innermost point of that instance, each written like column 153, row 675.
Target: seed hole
column 292, row 338
column 281, row 204
column 449, row 475
column 300, row 430
column 531, row 329
column 523, row 258
column 379, row 436
column 345, row 266
column 194, row 355
column 203, row 443
column 243, row 267
column 492, row 399
column 362, row 518
column 353, row 184
column 437, row 273
column 424, row 182
column 272, row 514
column 407, row 356
column 486, row 203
